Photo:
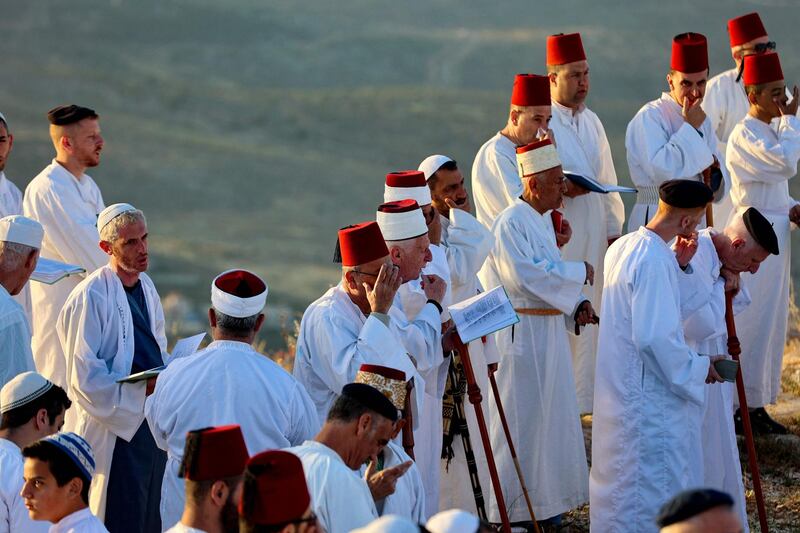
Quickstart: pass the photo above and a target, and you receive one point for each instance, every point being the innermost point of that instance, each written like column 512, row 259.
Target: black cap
column 64, row 115
column 691, row 503
column 371, row 398
column 685, row 194
column 761, row 230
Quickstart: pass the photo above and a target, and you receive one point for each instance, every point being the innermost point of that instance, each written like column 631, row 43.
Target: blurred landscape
column 249, row 131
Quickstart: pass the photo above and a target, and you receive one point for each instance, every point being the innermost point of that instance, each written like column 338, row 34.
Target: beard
column 229, row 516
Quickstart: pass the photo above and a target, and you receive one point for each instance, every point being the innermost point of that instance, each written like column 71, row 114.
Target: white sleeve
column 304, row 420
column 768, row 161
column 15, row 345
column 615, row 209
column 468, row 245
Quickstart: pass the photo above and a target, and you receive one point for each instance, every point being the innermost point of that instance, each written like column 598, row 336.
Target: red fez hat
column 530, row 90
column 564, row 48
column 689, row 53
column 214, row 453
column 406, row 178
column 745, row 28
column 275, row 490
column 762, row 68
column 359, row 244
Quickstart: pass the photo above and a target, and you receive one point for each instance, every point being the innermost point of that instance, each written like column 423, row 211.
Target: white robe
column 67, row 208
column 595, row 218
column 761, row 162
column 96, row 331
column 15, row 339
column 180, row 528
column 535, row 375
column 245, row 388
column 82, row 521
column 408, row 498
column 703, row 310
column 14, row 515
column 661, row 146
column 339, row 496
column 649, row 386
column 495, row 178
column 11, row 204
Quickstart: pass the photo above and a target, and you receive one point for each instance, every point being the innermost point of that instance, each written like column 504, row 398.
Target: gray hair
column 239, row 327
column 13, row 255
column 110, row 232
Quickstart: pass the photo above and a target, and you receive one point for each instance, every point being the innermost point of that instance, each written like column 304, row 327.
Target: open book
column 183, row 348
column 483, row 314
column 50, row 271
column 594, row 185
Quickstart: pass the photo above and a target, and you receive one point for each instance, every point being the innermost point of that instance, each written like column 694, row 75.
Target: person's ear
column 212, row 317
column 219, row 493
column 738, row 242
column 74, row 488
column 363, row 424
column 66, row 143
column 553, row 79
column 105, row 246
column 31, row 260
column 41, row 419
column 396, row 254
column 350, row 278
column 259, row 322
column 398, row 427
column 669, row 81
column 515, row 117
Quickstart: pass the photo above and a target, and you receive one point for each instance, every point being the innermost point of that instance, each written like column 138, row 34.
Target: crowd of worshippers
column 374, row 429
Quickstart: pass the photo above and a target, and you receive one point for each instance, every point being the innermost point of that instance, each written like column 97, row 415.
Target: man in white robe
column 671, row 137
column 650, row 386
column 66, row 202
column 20, row 241
column 112, row 325
column 596, row 219
column 762, row 160
column 495, row 181
column 535, row 378
column 248, row 388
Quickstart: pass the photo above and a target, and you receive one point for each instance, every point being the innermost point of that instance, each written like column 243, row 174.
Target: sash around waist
column 537, row 312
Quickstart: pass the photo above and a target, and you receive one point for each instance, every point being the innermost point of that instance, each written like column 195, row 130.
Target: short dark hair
column 347, row 409
column 448, row 165
column 61, row 465
column 55, row 401
column 196, row 491
column 691, row 503
column 236, row 326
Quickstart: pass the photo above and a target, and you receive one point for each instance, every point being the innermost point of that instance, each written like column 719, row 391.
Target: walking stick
column 408, row 428
column 474, row 394
column 734, row 349
column 521, row 477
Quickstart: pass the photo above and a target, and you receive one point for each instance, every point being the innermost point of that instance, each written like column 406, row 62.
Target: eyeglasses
column 760, row 48
column 364, row 273
column 310, row 519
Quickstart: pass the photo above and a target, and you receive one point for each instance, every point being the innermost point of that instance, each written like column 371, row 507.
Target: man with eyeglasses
column 535, row 378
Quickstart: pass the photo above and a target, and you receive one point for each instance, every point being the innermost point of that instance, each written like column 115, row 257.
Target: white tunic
column 82, row 521
column 495, row 178
column 67, row 208
column 761, row 161
column 11, row 204
column 408, row 498
column 648, row 385
column 180, row 528
column 595, row 218
column 245, row 388
column 13, row 513
column 535, row 375
column 96, row 331
column 662, row 146
column 339, row 496
column 15, row 339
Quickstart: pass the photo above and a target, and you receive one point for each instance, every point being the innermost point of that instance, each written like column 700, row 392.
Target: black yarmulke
column 691, row 503
column 761, row 230
column 685, row 194
column 65, row 115
column 371, row 398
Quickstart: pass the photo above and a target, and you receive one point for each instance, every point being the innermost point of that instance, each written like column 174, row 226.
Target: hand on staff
column 685, row 248
column 434, row 287
column 790, row 108
column 449, row 339
column 693, row 113
column 794, row 214
column 381, row 295
column 563, row 236
column 585, row 314
column 732, row 280
column 589, row 273
column 713, row 375
column 382, row 484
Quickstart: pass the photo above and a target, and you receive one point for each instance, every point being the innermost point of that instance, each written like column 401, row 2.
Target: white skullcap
column 23, row 389
column 111, row 212
column 401, row 220
column 77, row 449
column 238, row 293
column 21, row 230
column 453, row 521
column 432, row 163
column 389, row 524
column 537, row 157
column 3, row 118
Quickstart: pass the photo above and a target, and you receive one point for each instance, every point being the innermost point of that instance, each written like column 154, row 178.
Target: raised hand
column 382, row 484
column 434, row 287
column 788, row 108
column 381, row 296
column 693, row 113
column 685, row 248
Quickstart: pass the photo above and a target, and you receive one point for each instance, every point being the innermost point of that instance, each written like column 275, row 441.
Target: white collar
column 667, row 97
column 8, row 445
column 231, row 345
column 71, row 520
column 566, row 110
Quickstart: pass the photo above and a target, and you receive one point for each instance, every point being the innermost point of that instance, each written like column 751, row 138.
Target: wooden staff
column 734, row 349
column 408, row 428
column 474, row 394
column 709, row 208
column 521, row 477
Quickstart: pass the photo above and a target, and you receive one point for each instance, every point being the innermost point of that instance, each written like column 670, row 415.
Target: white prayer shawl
column 661, row 146
column 649, row 385
column 67, row 208
column 272, row 408
column 535, row 375
column 408, row 498
column 11, row 204
column 495, row 178
column 583, row 149
column 14, row 515
column 82, row 521
column 96, row 331
column 335, row 339
column 703, row 309
column 15, row 339
column 761, row 161
column 339, row 496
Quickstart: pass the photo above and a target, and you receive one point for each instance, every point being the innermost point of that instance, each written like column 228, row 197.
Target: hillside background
column 249, row 131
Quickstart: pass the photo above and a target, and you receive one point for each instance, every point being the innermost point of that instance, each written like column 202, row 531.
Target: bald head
column 738, row 250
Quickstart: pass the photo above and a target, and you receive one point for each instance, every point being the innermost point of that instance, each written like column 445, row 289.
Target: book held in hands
column 483, row 314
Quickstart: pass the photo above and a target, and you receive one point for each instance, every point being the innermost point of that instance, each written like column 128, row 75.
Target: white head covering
column 389, row 524
column 23, row 389
column 111, row 212
column 401, row 220
column 21, row 230
column 432, row 163
column 453, row 521
column 76, row 448
column 537, row 157
column 3, row 118
column 406, row 185
column 238, row 293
